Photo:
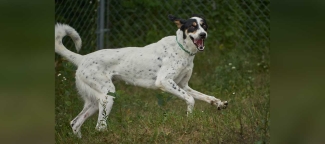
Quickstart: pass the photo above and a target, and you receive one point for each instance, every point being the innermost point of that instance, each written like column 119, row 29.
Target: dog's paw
column 78, row 134
column 101, row 127
column 222, row 105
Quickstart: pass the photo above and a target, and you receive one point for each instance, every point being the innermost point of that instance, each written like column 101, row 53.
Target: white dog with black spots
column 166, row 65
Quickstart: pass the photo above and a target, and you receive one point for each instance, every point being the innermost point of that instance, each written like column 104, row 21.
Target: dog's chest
column 184, row 72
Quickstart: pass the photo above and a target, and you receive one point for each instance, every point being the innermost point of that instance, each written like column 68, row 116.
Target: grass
column 149, row 116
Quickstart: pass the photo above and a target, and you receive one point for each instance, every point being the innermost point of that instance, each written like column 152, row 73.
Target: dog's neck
column 187, row 43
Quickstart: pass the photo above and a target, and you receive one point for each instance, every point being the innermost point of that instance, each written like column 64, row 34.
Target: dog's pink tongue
column 199, row 43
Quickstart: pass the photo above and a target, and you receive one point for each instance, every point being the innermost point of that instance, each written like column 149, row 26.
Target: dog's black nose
column 203, row 35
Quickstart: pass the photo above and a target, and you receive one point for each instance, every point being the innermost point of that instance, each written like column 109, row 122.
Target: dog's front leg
column 170, row 86
column 209, row 99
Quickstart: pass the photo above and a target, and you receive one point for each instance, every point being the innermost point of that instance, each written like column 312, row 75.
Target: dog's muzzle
column 200, row 41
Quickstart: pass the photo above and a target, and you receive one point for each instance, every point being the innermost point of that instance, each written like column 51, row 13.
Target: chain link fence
column 232, row 23
column 81, row 15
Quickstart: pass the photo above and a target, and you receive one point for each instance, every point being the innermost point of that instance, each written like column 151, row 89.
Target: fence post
column 100, row 25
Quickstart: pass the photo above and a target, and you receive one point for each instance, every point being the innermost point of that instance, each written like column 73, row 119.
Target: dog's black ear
column 178, row 21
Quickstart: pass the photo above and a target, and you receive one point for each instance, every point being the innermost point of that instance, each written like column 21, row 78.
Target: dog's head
column 194, row 28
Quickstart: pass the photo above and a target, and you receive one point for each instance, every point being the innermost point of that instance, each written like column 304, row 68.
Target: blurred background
column 109, row 24
column 234, row 66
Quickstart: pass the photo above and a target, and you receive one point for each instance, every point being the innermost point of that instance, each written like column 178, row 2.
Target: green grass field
column 149, row 116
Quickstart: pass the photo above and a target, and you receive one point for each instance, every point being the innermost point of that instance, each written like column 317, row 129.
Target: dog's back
column 134, row 65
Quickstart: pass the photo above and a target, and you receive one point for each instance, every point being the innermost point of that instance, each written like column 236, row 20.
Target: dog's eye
column 204, row 27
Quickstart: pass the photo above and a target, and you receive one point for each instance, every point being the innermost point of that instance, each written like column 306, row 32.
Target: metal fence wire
column 243, row 24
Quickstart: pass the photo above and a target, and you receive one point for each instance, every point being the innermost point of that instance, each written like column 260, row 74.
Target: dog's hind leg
column 93, row 89
column 91, row 93
column 89, row 109
column 105, row 104
column 90, row 106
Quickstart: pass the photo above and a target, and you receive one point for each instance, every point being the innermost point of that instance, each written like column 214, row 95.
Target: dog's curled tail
column 62, row 30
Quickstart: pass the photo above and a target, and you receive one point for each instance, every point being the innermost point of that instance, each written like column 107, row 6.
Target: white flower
column 59, row 74
column 258, row 64
column 230, row 64
column 233, row 93
column 64, row 78
column 233, row 67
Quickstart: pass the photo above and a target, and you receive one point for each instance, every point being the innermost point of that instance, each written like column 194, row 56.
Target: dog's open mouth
column 199, row 43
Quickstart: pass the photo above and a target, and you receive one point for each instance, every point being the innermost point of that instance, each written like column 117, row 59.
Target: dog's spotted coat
column 161, row 65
